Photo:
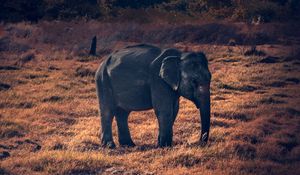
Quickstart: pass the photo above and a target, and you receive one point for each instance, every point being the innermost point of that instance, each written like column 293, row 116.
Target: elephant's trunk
column 204, row 105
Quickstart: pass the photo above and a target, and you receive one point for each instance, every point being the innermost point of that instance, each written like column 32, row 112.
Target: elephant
column 142, row 77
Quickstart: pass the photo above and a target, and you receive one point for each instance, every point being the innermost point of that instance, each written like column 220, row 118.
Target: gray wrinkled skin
column 142, row 77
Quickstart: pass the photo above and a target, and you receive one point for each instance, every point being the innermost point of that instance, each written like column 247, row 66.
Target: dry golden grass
column 49, row 121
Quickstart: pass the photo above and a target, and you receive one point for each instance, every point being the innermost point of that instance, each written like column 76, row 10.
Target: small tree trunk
column 93, row 46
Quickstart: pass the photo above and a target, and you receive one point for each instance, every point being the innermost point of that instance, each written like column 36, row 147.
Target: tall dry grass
column 49, row 122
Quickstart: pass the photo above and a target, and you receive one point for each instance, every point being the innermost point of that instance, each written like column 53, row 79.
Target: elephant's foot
column 127, row 143
column 203, row 140
column 108, row 144
column 164, row 142
column 202, row 143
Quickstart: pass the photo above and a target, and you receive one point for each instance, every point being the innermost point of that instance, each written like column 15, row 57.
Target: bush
column 218, row 3
column 17, row 10
column 69, row 9
column 132, row 3
column 243, row 10
column 249, row 10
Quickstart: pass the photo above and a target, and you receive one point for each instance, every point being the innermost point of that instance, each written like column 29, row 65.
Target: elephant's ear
column 169, row 71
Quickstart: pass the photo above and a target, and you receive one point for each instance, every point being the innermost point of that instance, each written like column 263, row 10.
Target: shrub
column 18, row 10
column 248, row 10
column 218, row 4
column 132, row 3
column 69, row 9
column 33, row 10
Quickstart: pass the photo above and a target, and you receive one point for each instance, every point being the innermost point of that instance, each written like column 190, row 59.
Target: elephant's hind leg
column 106, row 128
column 107, row 106
column 123, row 130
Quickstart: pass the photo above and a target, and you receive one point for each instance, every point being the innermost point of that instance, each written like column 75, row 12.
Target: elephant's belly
column 134, row 98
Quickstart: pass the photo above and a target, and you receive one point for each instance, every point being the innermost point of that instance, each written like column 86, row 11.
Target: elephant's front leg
column 165, row 104
column 165, row 121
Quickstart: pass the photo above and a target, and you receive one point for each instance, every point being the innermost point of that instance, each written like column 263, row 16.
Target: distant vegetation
column 49, row 116
column 236, row 10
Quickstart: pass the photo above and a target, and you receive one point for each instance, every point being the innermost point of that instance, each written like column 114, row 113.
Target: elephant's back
column 132, row 60
column 137, row 55
column 129, row 71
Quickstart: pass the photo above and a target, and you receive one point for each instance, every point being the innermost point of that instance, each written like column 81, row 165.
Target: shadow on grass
column 232, row 115
column 53, row 99
column 271, row 100
column 246, row 88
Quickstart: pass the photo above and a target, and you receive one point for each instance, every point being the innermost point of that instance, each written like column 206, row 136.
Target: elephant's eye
column 193, row 65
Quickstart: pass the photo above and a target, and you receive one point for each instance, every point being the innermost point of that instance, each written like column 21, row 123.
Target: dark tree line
column 34, row 10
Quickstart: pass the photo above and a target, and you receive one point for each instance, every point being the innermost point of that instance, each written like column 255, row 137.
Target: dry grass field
column 49, row 122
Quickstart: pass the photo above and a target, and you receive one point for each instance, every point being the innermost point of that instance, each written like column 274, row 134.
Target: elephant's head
column 189, row 75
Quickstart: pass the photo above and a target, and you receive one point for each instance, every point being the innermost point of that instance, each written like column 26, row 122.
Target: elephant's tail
column 103, row 87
